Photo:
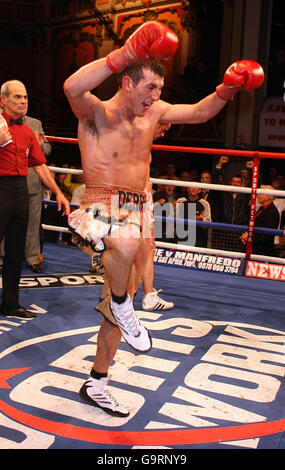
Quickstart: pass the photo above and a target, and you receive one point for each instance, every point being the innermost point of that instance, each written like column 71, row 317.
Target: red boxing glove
column 152, row 40
column 245, row 74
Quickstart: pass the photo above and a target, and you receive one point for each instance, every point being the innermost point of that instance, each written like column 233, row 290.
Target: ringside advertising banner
column 59, row 280
column 201, row 261
column 275, row 272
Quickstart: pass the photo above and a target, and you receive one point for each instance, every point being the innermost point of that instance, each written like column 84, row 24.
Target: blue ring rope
column 200, row 223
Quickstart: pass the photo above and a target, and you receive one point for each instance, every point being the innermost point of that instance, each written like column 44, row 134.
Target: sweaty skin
column 115, row 146
column 115, row 136
column 115, row 139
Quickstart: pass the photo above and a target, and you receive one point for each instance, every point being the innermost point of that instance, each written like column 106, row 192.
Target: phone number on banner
column 199, row 261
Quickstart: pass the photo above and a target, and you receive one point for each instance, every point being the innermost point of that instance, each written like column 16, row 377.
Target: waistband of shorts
column 124, row 199
column 113, row 189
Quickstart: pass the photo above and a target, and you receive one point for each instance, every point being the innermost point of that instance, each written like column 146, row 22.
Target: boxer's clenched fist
column 243, row 74
column 152, row 40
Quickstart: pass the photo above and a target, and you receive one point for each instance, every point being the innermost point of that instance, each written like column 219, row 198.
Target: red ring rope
column 63, row 140
column 175, row 148
column 210, row 151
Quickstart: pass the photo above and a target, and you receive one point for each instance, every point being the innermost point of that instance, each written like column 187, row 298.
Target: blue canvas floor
column 214, row 378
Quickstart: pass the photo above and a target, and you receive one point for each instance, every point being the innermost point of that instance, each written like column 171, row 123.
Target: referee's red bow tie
column 16, row 121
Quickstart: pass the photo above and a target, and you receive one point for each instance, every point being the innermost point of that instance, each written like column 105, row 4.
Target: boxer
column 115, row 138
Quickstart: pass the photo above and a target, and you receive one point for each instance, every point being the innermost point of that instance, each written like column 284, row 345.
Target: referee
column 19, row 149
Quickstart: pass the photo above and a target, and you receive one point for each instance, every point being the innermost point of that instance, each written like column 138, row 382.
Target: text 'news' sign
column 275, row 272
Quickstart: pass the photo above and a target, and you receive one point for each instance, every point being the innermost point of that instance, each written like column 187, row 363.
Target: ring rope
column 217, row 187
column 188, row 184
column 200, row 223
column 55, row 228
column 215, row 151
column 63, row 140
column 175, row 148
column 73, row 171
column 253, row 191
column 211, row 251
column 195, row 249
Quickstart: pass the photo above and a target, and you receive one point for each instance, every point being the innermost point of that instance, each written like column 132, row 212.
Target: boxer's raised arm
column 151, row 40
column 77, row 87
column 244, row 74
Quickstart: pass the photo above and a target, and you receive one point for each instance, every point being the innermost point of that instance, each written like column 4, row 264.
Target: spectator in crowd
column 20, row 151
column 170, row 172
column 78, row 193
column 71, row 182
column 195, row 174
column 210, row 195
column 154, row 170
column 235, row 205
column 50, row 215
column 165, row 194
column 194, row 195
column 279, row 202
column 245, row 178
column 218, row 178
column 59, row 178
column 267, row 216
column 203, row 212
column 246, row 175
column 228, row 167
column 164, row 201
column 234, row 211
column 275, row 184
column 273, row 174
column 184, row 176
column 214, row 199
column 281, row 180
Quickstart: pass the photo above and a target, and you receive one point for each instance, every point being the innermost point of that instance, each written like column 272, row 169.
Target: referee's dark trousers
column 14, row 213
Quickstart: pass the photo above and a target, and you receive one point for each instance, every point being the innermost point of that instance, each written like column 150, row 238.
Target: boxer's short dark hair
column 135, row 71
